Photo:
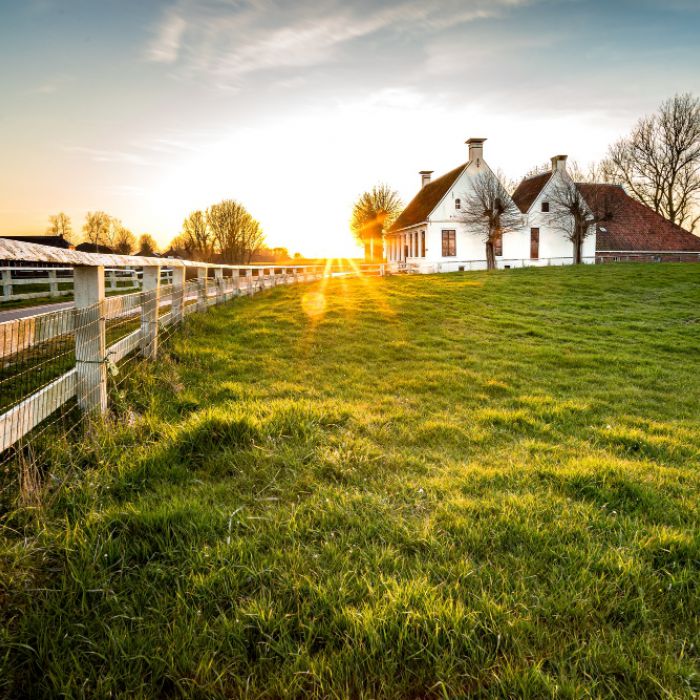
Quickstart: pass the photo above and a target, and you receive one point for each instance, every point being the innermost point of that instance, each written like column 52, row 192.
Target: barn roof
column 422, row 205
column 634, row 226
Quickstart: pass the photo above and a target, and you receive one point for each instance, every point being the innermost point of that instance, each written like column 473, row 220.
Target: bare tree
column 196, row 238
column 97, row 228
column 659, row 162
column 124, row 242
column 489, row 212
column 181, row 247
column 576, row 216
column 147, row 245
column 236, row 233
column 372, row 214
column 60, row 225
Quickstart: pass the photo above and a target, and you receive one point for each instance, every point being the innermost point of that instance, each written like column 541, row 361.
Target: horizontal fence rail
column 61, row 360
column 18, row 283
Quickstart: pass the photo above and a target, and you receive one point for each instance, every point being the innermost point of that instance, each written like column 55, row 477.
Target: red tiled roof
column 634, row 226
column 527, row 191
column 422, row 205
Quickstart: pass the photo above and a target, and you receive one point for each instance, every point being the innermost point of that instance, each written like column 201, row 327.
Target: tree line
column 103, row 231
column 225, row 232
column 657, row 163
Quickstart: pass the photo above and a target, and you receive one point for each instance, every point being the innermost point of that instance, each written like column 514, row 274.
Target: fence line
column 58, row 281
column 58, row 360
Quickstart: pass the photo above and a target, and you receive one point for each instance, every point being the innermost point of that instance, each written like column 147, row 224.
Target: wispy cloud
column 166, row 46
column 50, row 86
column 229, row 41
column 99, row 155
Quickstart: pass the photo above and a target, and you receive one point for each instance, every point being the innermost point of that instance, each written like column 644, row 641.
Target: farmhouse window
column 545, row 206
column 422, row 244
column 534, row 243
column 449, row 244
column 458, row 203
column 498, row 245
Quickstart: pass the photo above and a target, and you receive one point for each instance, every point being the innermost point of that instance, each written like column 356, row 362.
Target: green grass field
column 474, row 485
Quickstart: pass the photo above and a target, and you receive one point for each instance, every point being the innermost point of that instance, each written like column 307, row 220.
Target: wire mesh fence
column 60, row 367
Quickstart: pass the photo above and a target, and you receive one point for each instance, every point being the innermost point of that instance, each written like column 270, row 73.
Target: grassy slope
column 480, row 483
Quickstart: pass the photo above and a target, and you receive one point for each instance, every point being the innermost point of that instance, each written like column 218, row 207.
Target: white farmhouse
column 429, row 236
column 540, row 239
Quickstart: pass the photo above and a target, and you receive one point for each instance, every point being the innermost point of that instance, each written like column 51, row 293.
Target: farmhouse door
column 534, row 243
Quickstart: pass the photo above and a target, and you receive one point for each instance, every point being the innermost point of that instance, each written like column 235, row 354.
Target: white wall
column 554, row 247
column 553, row 242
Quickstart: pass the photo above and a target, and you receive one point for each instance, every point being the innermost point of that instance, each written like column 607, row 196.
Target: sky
column 150, row 110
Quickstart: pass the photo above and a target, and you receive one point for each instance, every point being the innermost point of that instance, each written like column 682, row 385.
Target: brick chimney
column 476, row 150
column 559, row 163
column 425, row 177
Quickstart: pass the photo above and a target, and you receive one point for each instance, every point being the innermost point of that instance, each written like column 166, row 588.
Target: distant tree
column 297, row 256
column 508, row 183
column 489, row 212
column 97, row 228
column 575, row 216
column 123, row 241
column 147, row 245
column 280, row 253
column 60, row 225
column 196, row 239
column 372, row 214
column 237, row 235
column 181, row 247
column 659, row 162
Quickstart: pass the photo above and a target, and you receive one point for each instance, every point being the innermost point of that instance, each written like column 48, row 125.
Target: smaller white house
column 429, row 236
column 539, row 239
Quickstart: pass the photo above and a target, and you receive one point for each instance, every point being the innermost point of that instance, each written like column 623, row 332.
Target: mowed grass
column 473, row 485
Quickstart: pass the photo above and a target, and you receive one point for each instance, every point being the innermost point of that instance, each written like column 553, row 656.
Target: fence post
column 6, row 283
column 202, row 275
column 178, row 287
column 150, row 302
column 219, row 283
column 249, row 275
column 90, row 340
column 53, row 284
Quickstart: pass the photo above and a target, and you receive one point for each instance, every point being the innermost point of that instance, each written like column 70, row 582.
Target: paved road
column 27, row 311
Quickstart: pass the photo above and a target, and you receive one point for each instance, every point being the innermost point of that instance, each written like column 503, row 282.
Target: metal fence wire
column 58, row 367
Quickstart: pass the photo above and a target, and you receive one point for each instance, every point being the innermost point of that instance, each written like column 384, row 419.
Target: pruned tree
column 577, row 216
column 147, row 245
column 97, row 228
column 236, row 233
column 197, row 239
column 60, row 225
column 489, row 212
column 124, row 242
column 373, row 213
column 659, row 162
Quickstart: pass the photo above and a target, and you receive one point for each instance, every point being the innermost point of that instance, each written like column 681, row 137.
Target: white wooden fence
column 58, row 281
column 158, row 306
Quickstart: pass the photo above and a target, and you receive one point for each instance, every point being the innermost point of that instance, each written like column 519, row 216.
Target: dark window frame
column 498, row 246
column 449, row 243
column 535, row 241
column 545, row 207
column 458, row 203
